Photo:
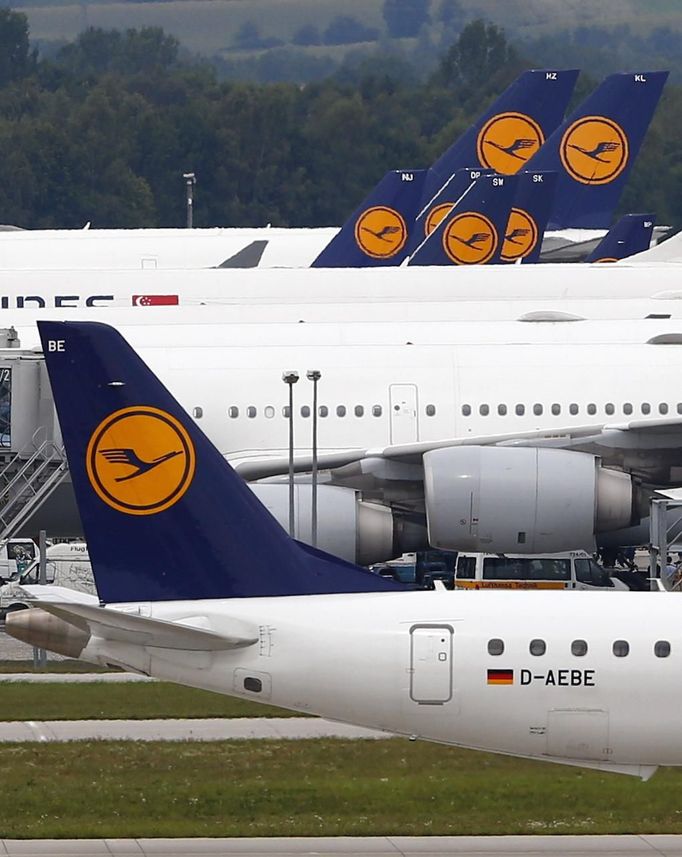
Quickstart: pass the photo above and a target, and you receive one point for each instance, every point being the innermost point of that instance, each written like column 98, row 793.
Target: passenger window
column 662, row 649
column 466, row 567
column 537, row 647
column 646, row 408
column 305, row 410
column 251, row 412
column 340, row 410
column 430, row 410
column 610, row 409
column 627, row 408
column 662, row 408
column 679, row 407
column 484, row 410
column 359, row 411
column 556, row 409
column 520, row 410
column 323, row 411
column 495, row 647
column 537, row 410
column 466, row 410
column 579, row 648
column 502, row 410
column 286, row 412
column 233, row 412
column 269, row 412
column 197, row 413
column 621, row 648
column 591, row 409
column 573, row 409
column 376, row 410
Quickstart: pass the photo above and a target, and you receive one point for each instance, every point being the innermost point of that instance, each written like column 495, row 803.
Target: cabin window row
column 251, row 411
column 620, row 648
column 573, row 409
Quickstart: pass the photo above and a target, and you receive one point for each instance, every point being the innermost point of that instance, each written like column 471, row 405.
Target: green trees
column 104, row 131
column 404, row 18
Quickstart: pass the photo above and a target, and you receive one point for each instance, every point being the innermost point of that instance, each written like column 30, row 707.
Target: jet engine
column 522, row 499
column 347, row 527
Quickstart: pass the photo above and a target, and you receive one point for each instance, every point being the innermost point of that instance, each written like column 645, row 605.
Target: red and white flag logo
column 155, row 300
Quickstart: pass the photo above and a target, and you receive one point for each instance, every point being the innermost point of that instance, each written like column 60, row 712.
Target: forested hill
column 103, row 131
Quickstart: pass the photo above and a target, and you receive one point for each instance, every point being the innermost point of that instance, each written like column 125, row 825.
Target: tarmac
column 406, row 846
column 199, row 729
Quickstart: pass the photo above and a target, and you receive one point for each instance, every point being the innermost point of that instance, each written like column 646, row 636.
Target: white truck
column 568, row 570
column 68, row 565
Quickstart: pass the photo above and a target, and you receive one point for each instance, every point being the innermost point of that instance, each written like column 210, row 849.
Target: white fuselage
column 417, row 664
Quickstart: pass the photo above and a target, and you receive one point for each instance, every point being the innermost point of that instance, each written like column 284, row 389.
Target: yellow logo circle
column 140, row 460
column 380, row 232
column 435, row 217
column 594, row 150
column 507, row 141
column 520, row 237
column 470, row 239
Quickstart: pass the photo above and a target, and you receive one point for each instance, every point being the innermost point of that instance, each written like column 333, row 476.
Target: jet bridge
column 32, row 460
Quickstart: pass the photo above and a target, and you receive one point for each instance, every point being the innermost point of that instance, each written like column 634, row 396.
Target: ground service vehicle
column 567, row 570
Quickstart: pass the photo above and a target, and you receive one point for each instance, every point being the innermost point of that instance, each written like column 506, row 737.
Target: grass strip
column 319, row 787
column 124, row 701
column 67, row 666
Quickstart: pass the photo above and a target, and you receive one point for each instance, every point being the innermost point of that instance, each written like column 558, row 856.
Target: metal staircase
column 28, row 479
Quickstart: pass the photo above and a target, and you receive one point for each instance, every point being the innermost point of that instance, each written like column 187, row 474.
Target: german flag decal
column 500, row 676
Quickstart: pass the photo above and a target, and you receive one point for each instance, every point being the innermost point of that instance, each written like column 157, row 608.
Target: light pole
column 314, row 375
column 190, row 181
column 290, row 378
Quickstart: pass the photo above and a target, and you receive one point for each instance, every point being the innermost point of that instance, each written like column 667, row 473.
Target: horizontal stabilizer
column 58, row 594
column 113, row 624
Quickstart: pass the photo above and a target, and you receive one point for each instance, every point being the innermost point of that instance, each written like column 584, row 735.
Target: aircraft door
column 431, row 664
column 578, row 733
column 404, row 421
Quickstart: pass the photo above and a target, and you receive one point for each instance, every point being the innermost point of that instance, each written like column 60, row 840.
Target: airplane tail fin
column 630, row 235
column 164, row 515
column 528, row 218
column 472, row 231
column 511, row 130
column 595, row 148
column 376, row 234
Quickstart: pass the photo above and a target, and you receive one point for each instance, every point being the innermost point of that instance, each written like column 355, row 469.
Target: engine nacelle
column 521, row 499
column 347, row 527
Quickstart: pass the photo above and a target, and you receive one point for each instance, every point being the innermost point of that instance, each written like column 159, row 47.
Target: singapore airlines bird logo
column 600, row 148
column 130, row 458
column 520, row 144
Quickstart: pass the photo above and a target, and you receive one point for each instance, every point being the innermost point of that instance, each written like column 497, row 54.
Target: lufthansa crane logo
column 594, row 150
column 380, row 232
column 435, row 217
column 520, row 237
column 507, row 141
column 140, row 460
column 470, row 239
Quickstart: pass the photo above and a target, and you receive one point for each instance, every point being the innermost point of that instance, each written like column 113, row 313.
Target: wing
column 478, row 236
column 647, row 449
column 516, row 233
column 606, row 146
column 521, row 143
column 121, row 456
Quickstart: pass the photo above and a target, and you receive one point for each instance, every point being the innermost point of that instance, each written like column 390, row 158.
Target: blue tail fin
column 441, row 204
column 472, row 232
column 511, row 131
column 164, row 515
column 376, row 234
column 630, row 235
column 595, row 148
column 528, row 217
